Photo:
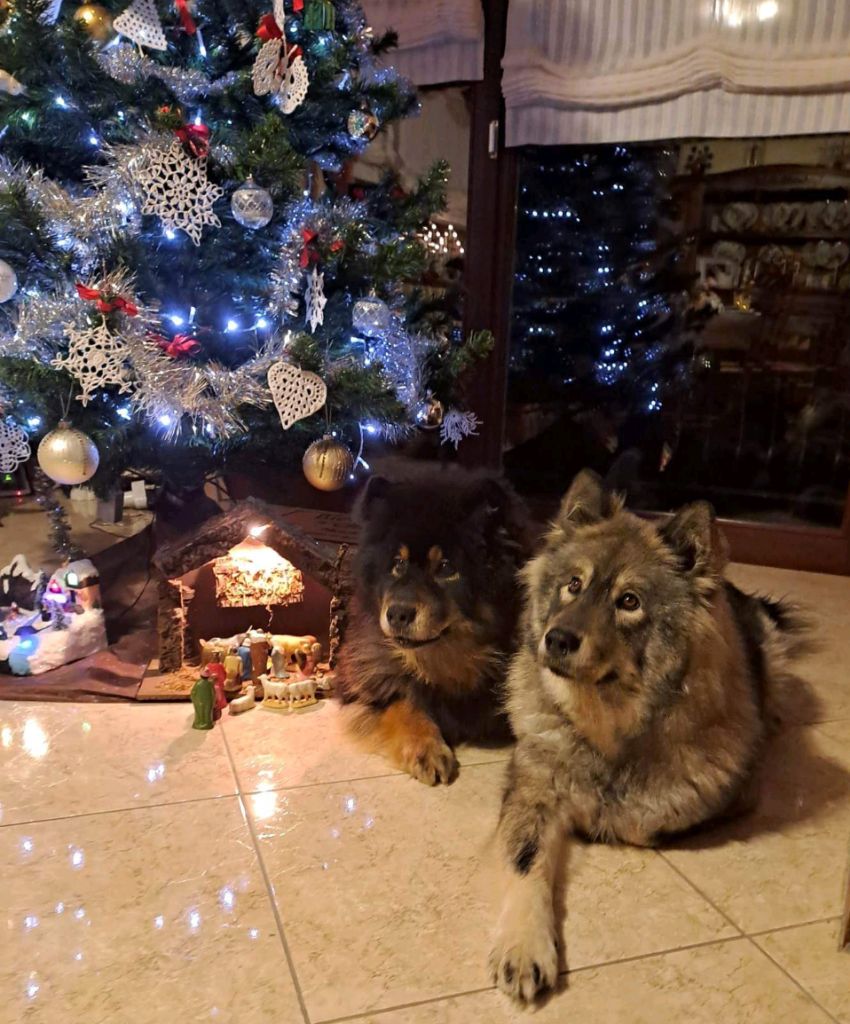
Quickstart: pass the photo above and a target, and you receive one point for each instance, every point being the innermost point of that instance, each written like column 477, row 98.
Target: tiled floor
column 267, row 871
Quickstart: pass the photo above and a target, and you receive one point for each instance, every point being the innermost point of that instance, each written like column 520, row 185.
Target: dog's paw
column 524, row 960
column 431, row 762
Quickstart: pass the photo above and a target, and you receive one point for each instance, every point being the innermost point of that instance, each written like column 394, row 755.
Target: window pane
column 681, row 315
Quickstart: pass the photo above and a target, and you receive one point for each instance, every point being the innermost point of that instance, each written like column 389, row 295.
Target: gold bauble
column 327, row 464
column 429, row 413
column 68, row 456
column 97, row 21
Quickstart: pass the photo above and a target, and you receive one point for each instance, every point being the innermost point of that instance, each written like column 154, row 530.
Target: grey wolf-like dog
column 641, row 696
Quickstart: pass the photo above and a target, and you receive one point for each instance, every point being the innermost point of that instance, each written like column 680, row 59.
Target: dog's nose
column 400, row 616
column 561, row 642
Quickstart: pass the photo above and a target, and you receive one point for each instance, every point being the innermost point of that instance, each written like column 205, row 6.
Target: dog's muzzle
column 557, row 650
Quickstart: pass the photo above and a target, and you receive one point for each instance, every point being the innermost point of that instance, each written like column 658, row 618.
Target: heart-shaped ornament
column 296, row 393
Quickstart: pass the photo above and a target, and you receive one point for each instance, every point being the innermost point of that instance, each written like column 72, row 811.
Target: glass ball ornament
column 362, row 124
column 67, row 455
column 8, row 281
column 97, row 22
column 371, row 316
column 251, row 205
column 327, row 464
column 429, row 413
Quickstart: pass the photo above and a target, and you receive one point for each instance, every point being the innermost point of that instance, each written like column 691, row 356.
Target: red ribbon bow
column 105, row 304
column 180, row 345
column 297, row 5
column 308, row 253
column 269, row 28
column 185, row 16
column 195, row 139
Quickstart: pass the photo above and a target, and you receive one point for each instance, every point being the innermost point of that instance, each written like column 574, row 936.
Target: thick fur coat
column 433, row 616
column 641, row 697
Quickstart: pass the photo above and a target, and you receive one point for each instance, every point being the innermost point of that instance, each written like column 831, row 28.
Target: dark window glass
column 681, row 315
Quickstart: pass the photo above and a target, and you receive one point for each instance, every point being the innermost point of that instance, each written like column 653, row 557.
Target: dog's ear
column 496, row 504
column 376, row 490
column 587, row 501
column 695, row 537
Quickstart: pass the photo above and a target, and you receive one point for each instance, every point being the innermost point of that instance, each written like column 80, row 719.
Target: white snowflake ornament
column 296, row 393
column 457, row 425
column 266, row 74
column 176, row 189
column 315, row 299
column 282, row 72
column 295, row 83
column 141, row 25
column 14, row 446
column 96, row 358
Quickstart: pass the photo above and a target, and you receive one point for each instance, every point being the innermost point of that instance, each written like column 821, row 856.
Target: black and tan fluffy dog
column 433, row 616
column 641, row 696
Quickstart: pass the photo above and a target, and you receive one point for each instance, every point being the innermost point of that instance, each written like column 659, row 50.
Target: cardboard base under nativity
column 178, row 685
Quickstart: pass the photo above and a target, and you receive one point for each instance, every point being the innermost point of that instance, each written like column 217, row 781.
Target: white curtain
column 439, row 40
column 585, row 71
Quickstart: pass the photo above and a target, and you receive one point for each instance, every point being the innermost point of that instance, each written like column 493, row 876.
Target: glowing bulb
column 257, row 531
column 232, row 325
column 60, row 101
column 165, row 420
column 262, row 323
column 767, row 9
column 124, row 413
column 169, row 233
column 178, row 321
column 33, row 422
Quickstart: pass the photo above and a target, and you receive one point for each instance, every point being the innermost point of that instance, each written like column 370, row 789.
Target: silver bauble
column 371, row 316
column 252, row 206
column 68, row 456
column 8, row 281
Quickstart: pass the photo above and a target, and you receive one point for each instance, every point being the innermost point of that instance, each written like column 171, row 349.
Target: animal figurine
column 203, row 701
column 282, row 695
column 244, row 703
column 289, row 644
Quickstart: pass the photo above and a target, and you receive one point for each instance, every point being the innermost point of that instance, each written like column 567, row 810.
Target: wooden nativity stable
column 250, row 568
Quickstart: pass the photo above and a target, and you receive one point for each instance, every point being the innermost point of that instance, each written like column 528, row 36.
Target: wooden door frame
column 491, row 234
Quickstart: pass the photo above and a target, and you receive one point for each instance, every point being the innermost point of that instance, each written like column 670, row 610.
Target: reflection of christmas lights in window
column 444, row 241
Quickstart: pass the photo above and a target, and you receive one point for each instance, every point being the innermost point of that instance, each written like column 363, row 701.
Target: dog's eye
column 629, row 602
column 399, row 566
column 445, row 570
column 574, row 586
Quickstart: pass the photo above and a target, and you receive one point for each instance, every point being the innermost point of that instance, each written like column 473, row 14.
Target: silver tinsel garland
column 126, row 64
column 79, row 222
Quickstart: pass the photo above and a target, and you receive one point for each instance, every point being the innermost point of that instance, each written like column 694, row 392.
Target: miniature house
column 246, row 569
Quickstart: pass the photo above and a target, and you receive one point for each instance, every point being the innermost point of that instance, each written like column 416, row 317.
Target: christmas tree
column 602, row 324
column 186, row 272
